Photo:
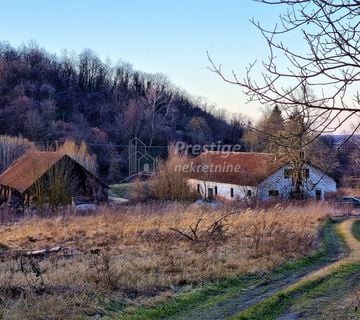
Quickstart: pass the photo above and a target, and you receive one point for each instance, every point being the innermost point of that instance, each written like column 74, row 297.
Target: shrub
column 171, row 181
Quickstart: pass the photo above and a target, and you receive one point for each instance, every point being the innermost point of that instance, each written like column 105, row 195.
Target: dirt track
column 334, row 302
column 352, row 256
column 249, row 296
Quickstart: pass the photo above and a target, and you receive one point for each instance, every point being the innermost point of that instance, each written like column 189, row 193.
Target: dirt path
column 246, row 297
column 240, row 301
column 334, row 297
column 352, row 256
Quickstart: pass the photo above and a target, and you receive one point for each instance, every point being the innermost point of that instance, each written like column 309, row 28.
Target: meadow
column 138, row 255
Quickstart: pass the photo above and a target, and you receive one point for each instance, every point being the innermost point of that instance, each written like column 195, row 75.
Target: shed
column 49, row 176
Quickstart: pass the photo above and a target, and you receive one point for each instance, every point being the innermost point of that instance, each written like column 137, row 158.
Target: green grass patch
column 208, row 293
column 119, row 190
column 275, row 305
column 124, row 190
column 268, row 309
column 356, row 230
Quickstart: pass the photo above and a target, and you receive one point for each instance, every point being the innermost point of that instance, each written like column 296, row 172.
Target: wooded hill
column 48, row 98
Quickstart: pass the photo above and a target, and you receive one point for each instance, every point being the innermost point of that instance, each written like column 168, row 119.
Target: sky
column 166, row 36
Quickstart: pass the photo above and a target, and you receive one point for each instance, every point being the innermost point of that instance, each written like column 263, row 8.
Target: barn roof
column 252, row 167
column 26, row 170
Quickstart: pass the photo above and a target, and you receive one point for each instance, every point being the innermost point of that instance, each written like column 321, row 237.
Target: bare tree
column 62, row 183
column 80, row 153
column 12, row 148
column 292, row 135
column 171, row 180
column 351, row 167
column 328, row 63
column 57, row 186
column 157, row 101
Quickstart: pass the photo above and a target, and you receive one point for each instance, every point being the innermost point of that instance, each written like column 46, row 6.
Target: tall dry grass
column 133, row 253
column 170, row 182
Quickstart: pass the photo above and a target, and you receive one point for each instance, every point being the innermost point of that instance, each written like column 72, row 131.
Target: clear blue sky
column 167, row 36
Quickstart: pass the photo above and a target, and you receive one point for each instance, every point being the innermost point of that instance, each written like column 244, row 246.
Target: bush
column 171, row 181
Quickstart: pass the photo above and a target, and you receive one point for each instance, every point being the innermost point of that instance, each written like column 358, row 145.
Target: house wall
column 11, row 196
column 277, row 181
column 223, row 189
column 88, row 185
column 316, row 181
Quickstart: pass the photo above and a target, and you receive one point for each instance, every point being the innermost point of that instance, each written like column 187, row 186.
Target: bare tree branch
column 329, row 65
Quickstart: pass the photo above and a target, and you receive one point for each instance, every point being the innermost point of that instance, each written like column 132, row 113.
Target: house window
column 215, row 189
column 306, row 173
column 232, row 192
column 198, row 188
column 287, row 173
column 318, row 194
column 273, row 193
column 210, row 193
column 248, row 193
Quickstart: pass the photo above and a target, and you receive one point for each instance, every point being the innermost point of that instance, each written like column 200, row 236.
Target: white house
column 241, row 175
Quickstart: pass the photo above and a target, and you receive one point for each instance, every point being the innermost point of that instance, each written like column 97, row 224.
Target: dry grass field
column 143, row 253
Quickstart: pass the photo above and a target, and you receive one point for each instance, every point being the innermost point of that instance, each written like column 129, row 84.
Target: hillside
column 47, row 98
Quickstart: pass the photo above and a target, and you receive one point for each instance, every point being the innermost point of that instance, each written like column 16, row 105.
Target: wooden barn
column 49, row 177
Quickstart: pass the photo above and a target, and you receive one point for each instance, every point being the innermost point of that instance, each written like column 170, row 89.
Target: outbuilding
column 49, row 177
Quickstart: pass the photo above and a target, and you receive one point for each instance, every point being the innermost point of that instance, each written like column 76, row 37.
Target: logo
column 140, row 160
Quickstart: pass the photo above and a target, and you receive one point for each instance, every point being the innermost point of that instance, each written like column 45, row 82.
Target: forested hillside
column 48, row 98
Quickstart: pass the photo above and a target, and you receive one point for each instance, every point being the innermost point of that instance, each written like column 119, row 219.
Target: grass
column 211, row 293
column 271, row 308
column 356, row 230
column 206, row 294
column 332, row 246
column 119, row 190
column 329, row 296
column 301, row 295
column 331, row 291
column 129, row 259
column 138, row 190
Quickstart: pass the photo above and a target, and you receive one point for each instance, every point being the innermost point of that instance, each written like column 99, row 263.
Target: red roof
column 241, row 168
column 26, row 170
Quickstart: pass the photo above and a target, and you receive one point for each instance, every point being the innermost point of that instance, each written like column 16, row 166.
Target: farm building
column 49, row 177
column 244, row 175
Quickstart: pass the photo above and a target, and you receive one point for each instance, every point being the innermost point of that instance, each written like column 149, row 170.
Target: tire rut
column 246, row 297
column 353, row 256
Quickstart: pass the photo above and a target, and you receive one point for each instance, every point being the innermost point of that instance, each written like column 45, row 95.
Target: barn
column 250, row 175
column 49, row 177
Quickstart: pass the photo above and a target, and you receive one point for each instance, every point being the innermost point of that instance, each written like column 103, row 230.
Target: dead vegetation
column 133, row 254
column 170, row 182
